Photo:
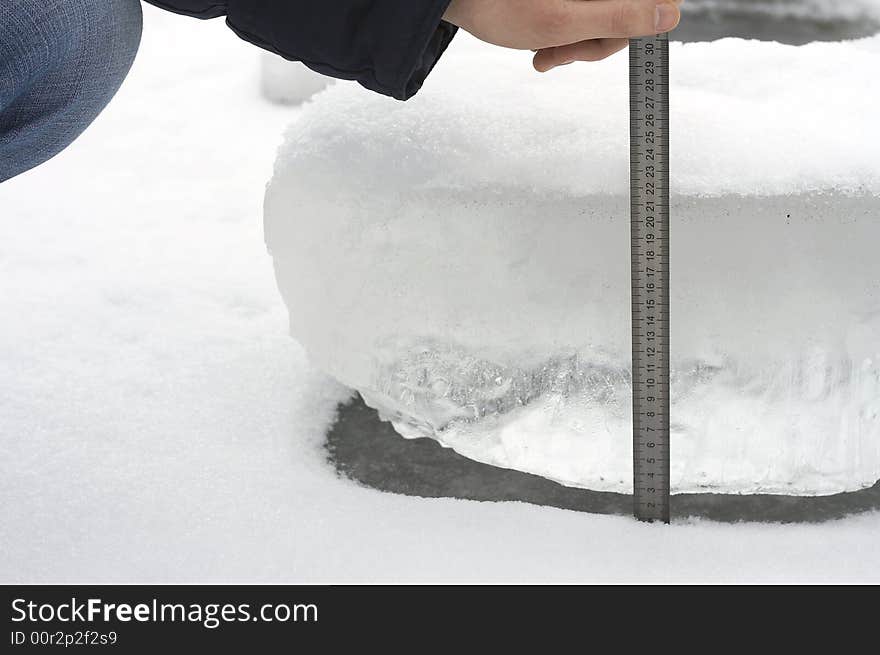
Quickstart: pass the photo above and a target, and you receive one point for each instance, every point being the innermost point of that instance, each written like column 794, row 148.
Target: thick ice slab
column 462, row 260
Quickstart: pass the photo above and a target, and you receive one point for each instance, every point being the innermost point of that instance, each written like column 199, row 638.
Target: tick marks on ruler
column 649, row 189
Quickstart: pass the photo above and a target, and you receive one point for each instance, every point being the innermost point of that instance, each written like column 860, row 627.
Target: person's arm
column 388, row 46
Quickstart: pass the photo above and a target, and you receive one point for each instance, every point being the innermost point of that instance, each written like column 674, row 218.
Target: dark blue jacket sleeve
column 388, row 46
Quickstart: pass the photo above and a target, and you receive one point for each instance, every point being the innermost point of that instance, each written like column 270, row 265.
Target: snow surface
column 157, row 423
column 470, row 273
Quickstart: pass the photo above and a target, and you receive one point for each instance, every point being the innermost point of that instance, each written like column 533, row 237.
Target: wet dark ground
column 370, row 452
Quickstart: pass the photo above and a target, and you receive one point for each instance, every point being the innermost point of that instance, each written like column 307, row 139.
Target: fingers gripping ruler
column 649, row 193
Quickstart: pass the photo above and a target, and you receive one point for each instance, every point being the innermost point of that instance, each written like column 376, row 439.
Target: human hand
column 563, row 31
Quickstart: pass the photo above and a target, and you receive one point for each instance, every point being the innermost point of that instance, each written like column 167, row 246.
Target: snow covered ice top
column 746, row 117
column 462, row 260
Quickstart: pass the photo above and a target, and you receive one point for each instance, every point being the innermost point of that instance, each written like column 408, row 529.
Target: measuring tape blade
column 649, row 191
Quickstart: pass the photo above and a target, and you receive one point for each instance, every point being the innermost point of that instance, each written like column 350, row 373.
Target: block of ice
column 288, row 82
column 788, row 21
column 463, row 261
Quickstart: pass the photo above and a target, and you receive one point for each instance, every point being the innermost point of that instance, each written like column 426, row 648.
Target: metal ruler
column 649, row 189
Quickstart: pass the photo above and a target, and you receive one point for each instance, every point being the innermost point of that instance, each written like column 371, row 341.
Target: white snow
column 469, row 273
column 157, row 423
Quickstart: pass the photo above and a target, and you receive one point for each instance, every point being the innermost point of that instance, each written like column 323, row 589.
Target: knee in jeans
column 38, row 38
column 104, row 37
column 60, row 63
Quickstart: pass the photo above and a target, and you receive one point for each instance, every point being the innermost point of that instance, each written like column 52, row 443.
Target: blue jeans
column 61, row 61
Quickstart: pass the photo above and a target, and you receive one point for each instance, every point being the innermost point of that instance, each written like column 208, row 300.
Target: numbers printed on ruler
column 649, row 190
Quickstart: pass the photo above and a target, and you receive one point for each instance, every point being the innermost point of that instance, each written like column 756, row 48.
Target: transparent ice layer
column 520, row 357
column 464, row 264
